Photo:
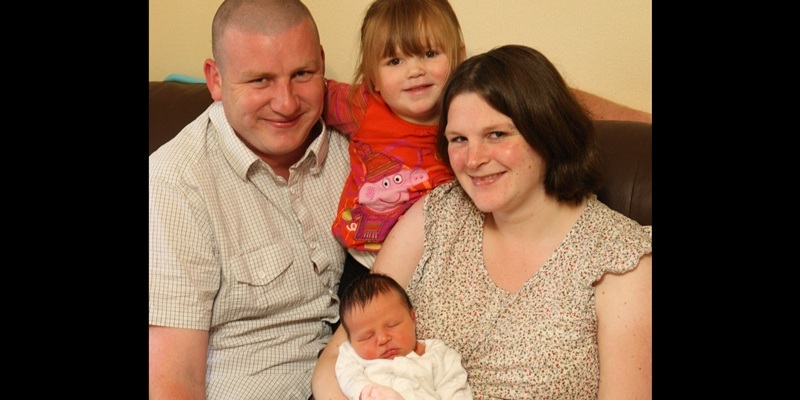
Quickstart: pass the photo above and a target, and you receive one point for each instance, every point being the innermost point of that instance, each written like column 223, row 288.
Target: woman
column 544, row 290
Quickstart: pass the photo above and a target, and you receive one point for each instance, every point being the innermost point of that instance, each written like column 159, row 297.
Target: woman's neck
column 516, row 246
column 538, row 219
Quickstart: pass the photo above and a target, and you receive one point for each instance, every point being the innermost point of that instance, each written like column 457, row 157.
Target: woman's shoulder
column 617, row 241
column 448, row 197
column 446, row 208
column 605, row 218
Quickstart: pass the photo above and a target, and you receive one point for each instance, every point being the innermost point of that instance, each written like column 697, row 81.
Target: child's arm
column 343, row 111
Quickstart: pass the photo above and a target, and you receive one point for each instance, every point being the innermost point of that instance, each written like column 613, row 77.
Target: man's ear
column 213, row 79
column 322, row 53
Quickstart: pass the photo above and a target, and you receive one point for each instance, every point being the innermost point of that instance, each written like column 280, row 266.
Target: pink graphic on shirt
column 384, row 196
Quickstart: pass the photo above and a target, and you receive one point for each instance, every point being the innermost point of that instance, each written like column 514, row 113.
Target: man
column 243, row 267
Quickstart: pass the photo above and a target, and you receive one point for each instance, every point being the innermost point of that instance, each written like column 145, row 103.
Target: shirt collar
column 242, row 158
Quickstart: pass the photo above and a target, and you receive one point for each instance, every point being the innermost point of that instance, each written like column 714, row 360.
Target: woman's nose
column 476, row 155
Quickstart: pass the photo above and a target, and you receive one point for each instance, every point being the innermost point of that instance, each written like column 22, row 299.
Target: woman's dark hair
column 363, row 289
column 523, row 84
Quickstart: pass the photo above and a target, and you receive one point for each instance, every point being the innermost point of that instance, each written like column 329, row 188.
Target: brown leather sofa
column 627, row 146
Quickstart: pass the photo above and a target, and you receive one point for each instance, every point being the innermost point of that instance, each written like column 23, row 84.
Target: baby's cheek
column 366, row 350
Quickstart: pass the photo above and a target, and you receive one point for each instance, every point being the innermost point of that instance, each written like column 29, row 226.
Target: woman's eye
column 456, row 139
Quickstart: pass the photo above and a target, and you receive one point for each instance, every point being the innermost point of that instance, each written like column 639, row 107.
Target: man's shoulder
column 338, row 143
column 182, row 151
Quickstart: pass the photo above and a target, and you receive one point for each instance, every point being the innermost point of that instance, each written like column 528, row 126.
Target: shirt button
column 262, row 275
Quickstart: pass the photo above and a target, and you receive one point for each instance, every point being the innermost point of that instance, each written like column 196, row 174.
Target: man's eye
column 303, row 76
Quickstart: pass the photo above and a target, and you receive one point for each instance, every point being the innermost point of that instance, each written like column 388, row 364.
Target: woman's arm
column 398, row 257
column 402, row 249
column 324, row 384
column 624, row 333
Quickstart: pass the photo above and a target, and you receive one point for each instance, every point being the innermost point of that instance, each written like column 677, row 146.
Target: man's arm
column 177, row 363
column 604, row 109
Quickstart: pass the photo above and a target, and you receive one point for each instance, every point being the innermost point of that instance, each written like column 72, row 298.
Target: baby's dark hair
column 363, row 289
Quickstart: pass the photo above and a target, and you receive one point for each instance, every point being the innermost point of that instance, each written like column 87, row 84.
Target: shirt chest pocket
column 262, row 266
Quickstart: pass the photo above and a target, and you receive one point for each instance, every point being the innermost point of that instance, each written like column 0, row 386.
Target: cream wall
column 601, row 46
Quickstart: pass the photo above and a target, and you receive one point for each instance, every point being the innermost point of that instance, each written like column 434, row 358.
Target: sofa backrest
column 627, row 146
column 627, row 149
column 172, row 106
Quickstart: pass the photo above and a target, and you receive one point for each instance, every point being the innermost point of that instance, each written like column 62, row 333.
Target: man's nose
column 284, row 100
